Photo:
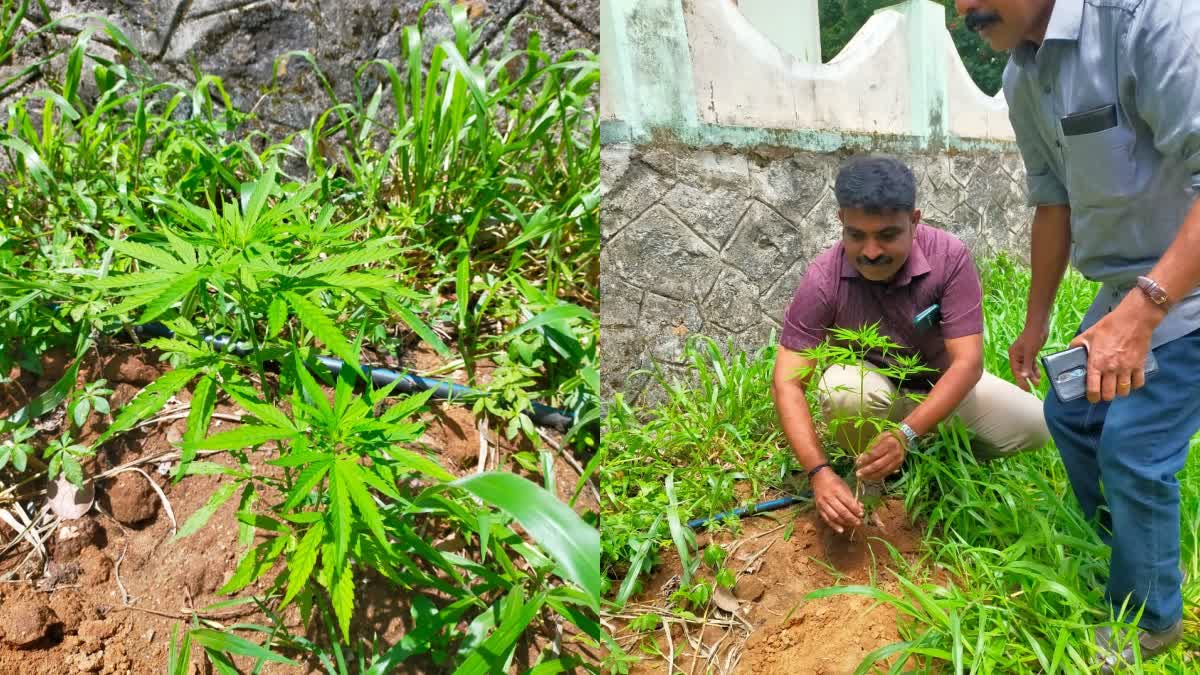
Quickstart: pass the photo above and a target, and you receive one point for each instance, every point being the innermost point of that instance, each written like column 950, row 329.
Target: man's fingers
column 882, row 466
column 853, row 508
column 877, row 469
column 1108, row 386
column 1139, row 378
column 1093, row 384
column 830, row 518
column 842, row 514
column 1016, row 363
column 1124, row 382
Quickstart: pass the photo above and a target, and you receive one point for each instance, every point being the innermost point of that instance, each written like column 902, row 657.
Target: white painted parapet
column 700, row 70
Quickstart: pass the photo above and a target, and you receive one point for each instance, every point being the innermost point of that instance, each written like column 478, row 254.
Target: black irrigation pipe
column 761, row 507
column 407, row 383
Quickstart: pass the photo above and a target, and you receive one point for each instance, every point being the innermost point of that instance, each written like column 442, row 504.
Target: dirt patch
column 827, row 636
column 779, row 559
column 130, row 499
column 452, row 431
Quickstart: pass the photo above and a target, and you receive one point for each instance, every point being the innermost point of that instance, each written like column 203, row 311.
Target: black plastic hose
column 761, row 507
column 407, row 383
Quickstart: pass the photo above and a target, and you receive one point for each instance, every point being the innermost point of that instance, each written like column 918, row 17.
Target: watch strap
column 1153, row 290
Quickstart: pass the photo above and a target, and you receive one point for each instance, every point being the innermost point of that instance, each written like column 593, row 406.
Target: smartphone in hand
column 1067, row 371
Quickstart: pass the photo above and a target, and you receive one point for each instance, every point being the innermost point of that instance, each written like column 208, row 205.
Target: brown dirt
column 786, row 633
column 116, row 582
column 130, row 499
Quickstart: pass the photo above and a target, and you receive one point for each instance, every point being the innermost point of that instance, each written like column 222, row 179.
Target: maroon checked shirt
column 939, row 270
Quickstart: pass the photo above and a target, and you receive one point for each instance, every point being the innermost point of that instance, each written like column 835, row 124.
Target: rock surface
column 240, row 40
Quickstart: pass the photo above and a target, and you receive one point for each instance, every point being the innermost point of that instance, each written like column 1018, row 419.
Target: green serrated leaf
column 269, row 414
column 339, row 512
column 344, row 261
column 341, row 594
column 155, row 256
column 301, row 565
column 149, row 401
column 201, row 516
column 351, row 476
column 160, row 277
column 169, row 296
column 245, row 436
column 409, row 406
column 208, row 469
column 204, row 400
column 305, row 482
column 323, row 328
column 414, row 461
column 276, row 316
column 254, row 564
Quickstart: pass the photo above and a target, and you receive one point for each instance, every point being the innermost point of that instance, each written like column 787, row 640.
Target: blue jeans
column 1135, row 446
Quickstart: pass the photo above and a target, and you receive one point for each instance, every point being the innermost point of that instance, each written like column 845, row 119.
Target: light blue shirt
column 1128, row 169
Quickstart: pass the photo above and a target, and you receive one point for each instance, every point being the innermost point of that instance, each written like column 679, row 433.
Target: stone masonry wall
column 713, row 243
column 239, row 40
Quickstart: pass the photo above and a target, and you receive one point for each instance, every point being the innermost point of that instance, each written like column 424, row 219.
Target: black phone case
column 1090, row 121
column 1067, row 371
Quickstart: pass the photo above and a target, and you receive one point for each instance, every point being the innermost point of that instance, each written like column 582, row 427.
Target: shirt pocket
column 1099, row 156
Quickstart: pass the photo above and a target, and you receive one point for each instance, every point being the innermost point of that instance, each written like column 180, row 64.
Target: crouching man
column 887, row 269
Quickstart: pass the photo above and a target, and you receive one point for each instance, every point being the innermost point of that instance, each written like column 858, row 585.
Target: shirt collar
column 1066, row 21
column 916, row 265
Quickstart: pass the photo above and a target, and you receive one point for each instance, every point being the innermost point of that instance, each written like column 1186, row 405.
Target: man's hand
column 835, row 502
column 1117, row 346
column 884, row 457
column 1022, row 357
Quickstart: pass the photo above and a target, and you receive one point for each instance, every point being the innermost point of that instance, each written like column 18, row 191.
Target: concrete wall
column 720, row 152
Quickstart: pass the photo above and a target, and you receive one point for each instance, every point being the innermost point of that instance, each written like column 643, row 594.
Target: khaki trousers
column 1003, row 419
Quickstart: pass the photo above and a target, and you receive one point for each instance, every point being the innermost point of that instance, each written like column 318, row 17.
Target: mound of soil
column 772, row 628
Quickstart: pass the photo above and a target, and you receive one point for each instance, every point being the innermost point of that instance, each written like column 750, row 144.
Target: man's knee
column 1026, row 430
column 1005, row 419
column 848, row 391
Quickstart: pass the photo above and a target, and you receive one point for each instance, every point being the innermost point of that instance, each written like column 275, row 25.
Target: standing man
column 1104, row 99
column 887, row 269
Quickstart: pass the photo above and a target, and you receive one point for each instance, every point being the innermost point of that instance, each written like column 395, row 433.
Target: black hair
column 876, row 184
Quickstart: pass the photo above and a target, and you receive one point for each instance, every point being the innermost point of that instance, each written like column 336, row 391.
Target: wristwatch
column 908, row 434
column 1156, row 293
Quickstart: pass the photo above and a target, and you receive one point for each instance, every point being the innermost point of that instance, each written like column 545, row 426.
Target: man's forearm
column 951, row 388
column 797, row 423
column 1050, row 248
column 1178, row 271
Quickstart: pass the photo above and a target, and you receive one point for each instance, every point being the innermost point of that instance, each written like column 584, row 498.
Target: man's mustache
column 977, row 21
column 881, row 261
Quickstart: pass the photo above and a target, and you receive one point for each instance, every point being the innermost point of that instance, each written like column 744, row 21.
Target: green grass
column 1025, row 570
column 454, row 206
